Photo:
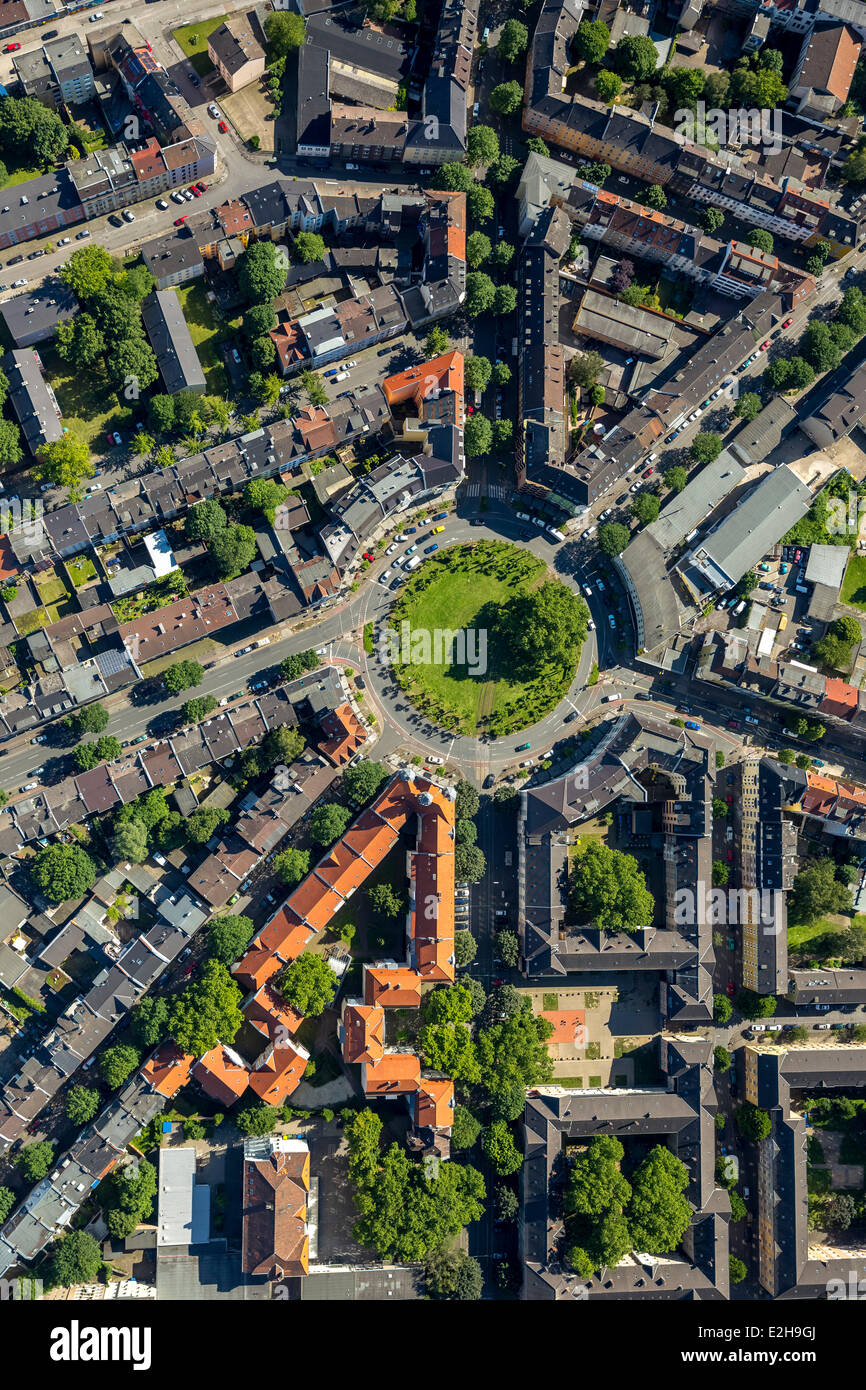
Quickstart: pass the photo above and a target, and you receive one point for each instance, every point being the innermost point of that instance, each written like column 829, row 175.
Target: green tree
column 817, row 893
column 259, row 319
column 502, row 171
column 308, row 246
column 711, row 219
column 385, row 902
column 65, row 461
column 328, row 822
column 535, row 145
column 705, row 447
column 88, row 271
column 76, row 1260
column 452, row 1274
column 501, row 373
column 284, row 31
column 721, row 873
column 228, row 937
column 753, row 1005
column 465, row 1130
column 469, row 863
column 506, row 98
column 79, row 340
column 182, row 675
column 721, row 1058
column 591, row 41
column 761, row 239
column 466, row 801
column 676, row 478
column 477, row 372
column 292, row 865
column 362, row 781
column 513, row 40
column 613, row 538
column 502, row 256
column 482, row 145
column 82, row 1104
column 608, row 887
column 477, row 436
column 450, row 1049
column 636, row 57
column 465, row 948
column 655, row 197
column 480, row 293
column 129, row 842
column 477, row 250
column 127, row 1197
column 659, row 1214
column 313, row 388
column 722, row 1008
column 738, row 1270
column 508, row 948
column 584, row 369
column 208, row 1010
column 149, row 1021
column 595, row 1183
column 198, row 708
column 62, row 872
column 645, row 507
column 260, row 274
column 500, row 1149
column 7, row 1202
column 437, row 340
column 117, row 1063
column 753, row 1123
column 308, row 984
column 35, row 1160
column 204, row 822
column 292, row 667
column 748, row 406
column 608, row 85
column 504, row 300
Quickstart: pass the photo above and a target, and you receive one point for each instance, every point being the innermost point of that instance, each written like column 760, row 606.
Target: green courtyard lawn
column 205, row 329
column 89, row 407
column 81, row 570
column 193, row 38
column 465, row 587
column 804, row 937
column 854, row 583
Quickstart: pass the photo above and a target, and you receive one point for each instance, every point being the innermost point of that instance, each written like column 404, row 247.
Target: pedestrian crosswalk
column 496, row 491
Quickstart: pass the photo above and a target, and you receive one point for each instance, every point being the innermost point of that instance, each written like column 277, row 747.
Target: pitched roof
column 168, row 1070
column 363, row 1033
column 392, row 987
column 275, row 1194
column 222, row 1075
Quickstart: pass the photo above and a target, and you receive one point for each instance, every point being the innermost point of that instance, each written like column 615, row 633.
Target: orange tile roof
column 222, row 1075
column 822, row 784
column 275, row 1191
column 268, row 1011
column 275, row 1078
column 394, row 987
column 370, row 839
column 416, row 384
column 342, row 870
column 363, row 1033
column 391, row 805
column 285, row 935
column 314, row 902
column 434, row 1103
column 256, row 968
column 168, row 1069
column 398, row 1073
column 840, row 699
column 344, row 735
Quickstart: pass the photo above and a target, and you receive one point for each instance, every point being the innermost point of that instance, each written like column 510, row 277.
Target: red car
column 729, row 799
column 646, row 473
column 201, row 186
column 730, row 856
column 765, row 345
column 731, row 987
column 222, row 127
column 196, row 193
column 787, row 323
column 179, row 221
column 797, row 556
column 470, row 410
column 732, row 724
column 12, row 48
column 368, row 555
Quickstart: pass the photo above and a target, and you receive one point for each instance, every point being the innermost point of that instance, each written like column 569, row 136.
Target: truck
column 783, row 622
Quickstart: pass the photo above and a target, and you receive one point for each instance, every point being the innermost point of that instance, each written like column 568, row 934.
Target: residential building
column 276, row 1192
column 824, row 71
column 32, row 399
column 236, row 50
column 172, row 343
column 32, row 316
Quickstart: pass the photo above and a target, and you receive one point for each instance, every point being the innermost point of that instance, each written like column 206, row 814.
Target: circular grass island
column 484, row 640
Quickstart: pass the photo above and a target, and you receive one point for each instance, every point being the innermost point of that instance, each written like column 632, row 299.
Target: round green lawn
column 466, row 587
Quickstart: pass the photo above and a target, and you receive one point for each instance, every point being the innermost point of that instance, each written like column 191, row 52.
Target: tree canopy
column 229, row 936
column 62, row 872
column 308, row 984
column 608, row 887
column 208, row 1010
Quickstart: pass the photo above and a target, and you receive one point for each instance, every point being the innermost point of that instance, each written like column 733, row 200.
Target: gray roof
column 172, row 342
column 826, row 565
column 34, row 314
column 757, row 523
column 32, row 399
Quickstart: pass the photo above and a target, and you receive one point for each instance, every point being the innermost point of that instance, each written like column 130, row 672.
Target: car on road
column 196, row 192
column 115, row 220
column 435, row 759
column 64, row 241
column 179, row 221
column 16, row 284
column 612, row 620
column 787, row 323
column 391, row 548
column 488, row 781
column 28, row 786
column 730, row 855
column 12, row 48
column 186, row 195
column 646, row 473
column 428, row 550
column 385, row 576
column 572, row 715
column 522, row 747
column 201, row 186
column 692, row 724
column 34, row 255
column 587, row 590
column 222, row 127
column 731, row 987
column 764, row 346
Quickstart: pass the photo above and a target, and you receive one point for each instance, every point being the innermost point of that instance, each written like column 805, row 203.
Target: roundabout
column 463, row 638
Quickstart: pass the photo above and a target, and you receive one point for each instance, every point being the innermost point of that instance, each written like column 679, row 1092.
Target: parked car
column 179, row 221
column 12, row 48
column 213, row 110
column 222, row 127
column 161, row 204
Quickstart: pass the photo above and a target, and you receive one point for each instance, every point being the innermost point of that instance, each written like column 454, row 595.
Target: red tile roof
column 168, row 1070
column 222, row 1075
column 274, row 1239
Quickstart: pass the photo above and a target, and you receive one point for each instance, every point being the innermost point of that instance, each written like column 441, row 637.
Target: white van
column 610, row 699
column 557, row 535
